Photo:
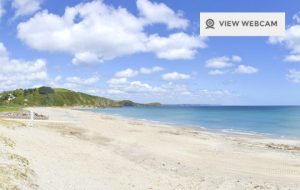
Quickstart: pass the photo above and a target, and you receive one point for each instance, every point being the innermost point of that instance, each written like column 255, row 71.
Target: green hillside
column 46, row 96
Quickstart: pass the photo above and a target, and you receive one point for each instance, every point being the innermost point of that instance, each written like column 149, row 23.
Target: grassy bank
column 9, row 109
column 15, row 171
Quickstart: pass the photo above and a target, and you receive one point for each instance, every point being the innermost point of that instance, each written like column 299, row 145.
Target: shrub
column 46, row 90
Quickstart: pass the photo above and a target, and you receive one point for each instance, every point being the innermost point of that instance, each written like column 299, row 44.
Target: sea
column 275, row 121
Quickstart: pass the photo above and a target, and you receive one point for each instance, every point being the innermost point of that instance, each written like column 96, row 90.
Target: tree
column 46, row 90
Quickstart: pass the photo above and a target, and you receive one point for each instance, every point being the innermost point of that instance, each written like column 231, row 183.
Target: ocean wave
column 257, row 121
column 244, row 132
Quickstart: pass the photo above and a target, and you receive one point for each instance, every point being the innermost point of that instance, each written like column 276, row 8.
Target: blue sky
column 148, row 51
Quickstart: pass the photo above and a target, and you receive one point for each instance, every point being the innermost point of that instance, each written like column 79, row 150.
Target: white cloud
column 294, row 75
column 173, row 89
column 102, row 30
column 15, row 73
column 25, row 7
column 114, row 92
column 220, row 62
column 2, row 9
column 122, row 85
column 291, row 40
column 127, row 73
column 155, row 69
column 236, row 58
column 160, row 13
column 139, row 85
column 122, row 88
column 58, row 78
column 175, row 46
column 82, row 82
column 292, row 58
column 175, row 76
column 117, row 81
column 217, row 72
column 94, row 32
column 296, row 17
column 214, row 93
column 86, row 58
column 180, row 89
column 244, row 69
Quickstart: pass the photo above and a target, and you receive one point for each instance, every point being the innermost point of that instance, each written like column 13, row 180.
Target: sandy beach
column 77, row 150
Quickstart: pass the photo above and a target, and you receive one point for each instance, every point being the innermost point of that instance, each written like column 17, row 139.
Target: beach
column 84, row 150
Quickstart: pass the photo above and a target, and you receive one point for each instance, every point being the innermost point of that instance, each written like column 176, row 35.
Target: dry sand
column 78, row 150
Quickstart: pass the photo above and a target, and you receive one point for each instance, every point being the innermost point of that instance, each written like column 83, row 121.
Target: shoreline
column 197, row 127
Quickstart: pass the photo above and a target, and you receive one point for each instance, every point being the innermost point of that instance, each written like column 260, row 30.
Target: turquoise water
column 279, row 121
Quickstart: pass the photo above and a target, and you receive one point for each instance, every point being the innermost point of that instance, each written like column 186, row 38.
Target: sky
column 148, row 51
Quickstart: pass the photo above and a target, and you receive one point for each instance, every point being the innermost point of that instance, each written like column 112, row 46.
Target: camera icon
column 210, row 24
